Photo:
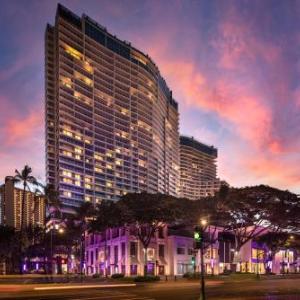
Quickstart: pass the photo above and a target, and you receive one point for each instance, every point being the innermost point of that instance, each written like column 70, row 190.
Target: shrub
column 190, row 275
column 96, row 276
column 147, row 278
column 117, row 275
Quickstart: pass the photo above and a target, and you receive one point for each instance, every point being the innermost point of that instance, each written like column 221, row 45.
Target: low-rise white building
column 170, row 252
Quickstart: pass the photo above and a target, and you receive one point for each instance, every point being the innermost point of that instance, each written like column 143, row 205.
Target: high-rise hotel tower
column 111, row 120
column 198, row 169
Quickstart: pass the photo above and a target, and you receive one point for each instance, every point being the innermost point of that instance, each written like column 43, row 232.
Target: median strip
column 68, row 287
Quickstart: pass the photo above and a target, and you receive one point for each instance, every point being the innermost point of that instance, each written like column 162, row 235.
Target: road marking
column 69, row 287
column 102, row 297
column 133, row 297
column 139, row 298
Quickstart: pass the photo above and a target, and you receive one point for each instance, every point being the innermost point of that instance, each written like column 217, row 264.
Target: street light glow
column 203, row 222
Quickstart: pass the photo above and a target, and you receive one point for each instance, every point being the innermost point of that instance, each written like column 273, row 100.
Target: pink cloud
column 22, row 143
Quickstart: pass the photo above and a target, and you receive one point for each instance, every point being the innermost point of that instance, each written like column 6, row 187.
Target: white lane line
column 102, row 297
column 68, row 287
column 139, row 298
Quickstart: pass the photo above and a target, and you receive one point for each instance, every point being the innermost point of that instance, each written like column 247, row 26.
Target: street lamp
column 199, row 242
column 59, row 230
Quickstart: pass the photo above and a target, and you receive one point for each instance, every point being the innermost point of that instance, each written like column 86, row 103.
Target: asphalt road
column 277, row 289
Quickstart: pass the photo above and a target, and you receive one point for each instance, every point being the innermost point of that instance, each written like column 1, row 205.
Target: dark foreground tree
column 146, row 213
column 9, row 241
column 274, row 241
column 84, row 214
column 107, row 215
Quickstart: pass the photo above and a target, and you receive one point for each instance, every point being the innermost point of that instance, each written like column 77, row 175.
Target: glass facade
column 111, row 121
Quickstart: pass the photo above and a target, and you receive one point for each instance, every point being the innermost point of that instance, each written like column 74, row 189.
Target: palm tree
column 26, row 179
column 52, row 201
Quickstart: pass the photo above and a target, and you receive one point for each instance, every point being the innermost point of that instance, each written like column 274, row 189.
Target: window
column 123, row 231
column 161, row 232
column 161, row 250
column 97, row 254
column 190, row 251
column 115, row 232
column 133, row 248
column 116, row 254
column 257, row 253
column 92, row 257
column 123, row 248
column 133, row 269
column 123, row 269
column 180, row 251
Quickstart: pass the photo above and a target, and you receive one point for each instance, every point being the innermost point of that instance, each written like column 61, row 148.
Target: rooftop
column 191, row 142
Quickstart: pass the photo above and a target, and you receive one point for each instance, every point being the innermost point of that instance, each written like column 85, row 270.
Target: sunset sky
column 233, row 66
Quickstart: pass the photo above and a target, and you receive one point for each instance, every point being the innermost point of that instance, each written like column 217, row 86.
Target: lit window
column 77, row 183
column 77, row 176
column 67, row 194
column 98, row 170
column 67, row 173
column 108, row 184
column 78, row 150
column 66, row 82
column 67, row 153
column 68, row 133
column 88, row 186
column 87, row 198
column 87, row 179
column 88, row 67
column 77, row 156
column 74, row 52
column 67, row 180
column 109, row 154
column 97, row 156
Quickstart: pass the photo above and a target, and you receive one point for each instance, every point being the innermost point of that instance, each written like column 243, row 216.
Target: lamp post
column 199, row 244
column 59, row 230
column 203, row 224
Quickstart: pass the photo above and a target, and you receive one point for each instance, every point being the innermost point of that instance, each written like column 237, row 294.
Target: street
column 273, row 289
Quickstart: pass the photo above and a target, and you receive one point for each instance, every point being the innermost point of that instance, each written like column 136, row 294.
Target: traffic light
column 197, row 237
column 193, row 260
